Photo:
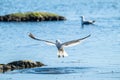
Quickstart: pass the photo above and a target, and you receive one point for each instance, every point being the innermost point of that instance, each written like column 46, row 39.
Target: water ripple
column 53, row 70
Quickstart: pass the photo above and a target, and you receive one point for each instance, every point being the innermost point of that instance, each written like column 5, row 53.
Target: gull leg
column 58, row 56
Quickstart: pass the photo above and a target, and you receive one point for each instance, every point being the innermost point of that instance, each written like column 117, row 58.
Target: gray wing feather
column 88, row 22
column 31, row 36
column 74, row 42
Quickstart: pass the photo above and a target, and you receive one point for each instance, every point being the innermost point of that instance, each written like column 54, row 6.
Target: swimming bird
column 60, row 46
column 86, row 22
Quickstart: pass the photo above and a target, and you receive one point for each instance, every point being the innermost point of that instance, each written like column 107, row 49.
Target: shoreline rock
column 21, row 64
column 31, row 17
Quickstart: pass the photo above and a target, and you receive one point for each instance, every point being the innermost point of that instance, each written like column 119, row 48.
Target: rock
column 6, row 67
column 21, row 64
column 1, row 66
column 25, row 64
column 32, row 16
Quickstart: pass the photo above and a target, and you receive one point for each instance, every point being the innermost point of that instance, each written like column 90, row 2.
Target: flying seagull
column 60, row 46
column 86, row 22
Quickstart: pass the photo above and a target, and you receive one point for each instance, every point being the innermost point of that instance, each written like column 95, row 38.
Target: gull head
column 58, row 41
column 81, row 16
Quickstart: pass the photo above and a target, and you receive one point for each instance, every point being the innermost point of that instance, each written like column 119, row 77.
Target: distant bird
column 60, row 46
column 86, row 22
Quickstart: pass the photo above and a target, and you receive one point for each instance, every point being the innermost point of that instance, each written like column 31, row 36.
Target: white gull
column 86, row 22
column 60, row 46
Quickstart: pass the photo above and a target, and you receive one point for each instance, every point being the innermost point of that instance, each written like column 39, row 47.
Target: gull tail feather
column 62, row 53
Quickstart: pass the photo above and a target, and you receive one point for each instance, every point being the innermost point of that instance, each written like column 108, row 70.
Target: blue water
column 97, row 58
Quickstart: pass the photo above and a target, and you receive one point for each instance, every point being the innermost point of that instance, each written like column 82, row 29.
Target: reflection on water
column 53, row 70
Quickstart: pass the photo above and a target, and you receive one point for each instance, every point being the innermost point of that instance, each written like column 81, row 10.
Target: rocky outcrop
column 31, row 16
column 22, row 64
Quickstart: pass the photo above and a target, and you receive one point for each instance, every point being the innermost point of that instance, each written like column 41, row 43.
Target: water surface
column 97, row 58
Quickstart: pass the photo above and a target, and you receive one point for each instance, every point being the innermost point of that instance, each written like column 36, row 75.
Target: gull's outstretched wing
column 48, row 42
column 74, row 42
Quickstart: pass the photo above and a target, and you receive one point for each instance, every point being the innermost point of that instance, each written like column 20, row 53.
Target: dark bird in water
column 60, row 46
column 86, row 22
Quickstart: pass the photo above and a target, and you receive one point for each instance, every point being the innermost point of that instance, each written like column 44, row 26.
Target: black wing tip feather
column 31, row 36
column 86, row 37
column 89, row 35
column 94, row 21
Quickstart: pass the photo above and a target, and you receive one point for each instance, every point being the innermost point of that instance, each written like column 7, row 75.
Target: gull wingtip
column 31, row 36
column 89, row 35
